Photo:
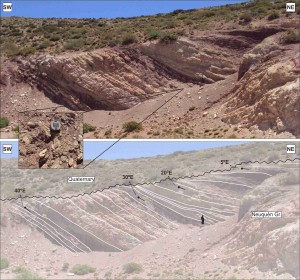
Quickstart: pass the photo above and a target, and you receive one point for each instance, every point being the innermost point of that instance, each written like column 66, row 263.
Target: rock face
column 107, row 78
column 207, row 58
column 191, row 61
column 267, row 95
column 40, row 147
column 268, row 243
column 119, row 78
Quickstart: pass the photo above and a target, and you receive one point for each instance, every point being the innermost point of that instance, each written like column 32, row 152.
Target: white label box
column 75, row 179
column 290, row 7
column 6, row 149
column 266, row 214
column 7, row 7
column 290, row 149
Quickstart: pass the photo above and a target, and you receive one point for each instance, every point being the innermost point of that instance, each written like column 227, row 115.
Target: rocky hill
column 238, row 73
column 155, row 229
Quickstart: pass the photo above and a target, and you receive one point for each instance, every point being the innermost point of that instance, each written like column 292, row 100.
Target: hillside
column 191, row 67
column 154, row 230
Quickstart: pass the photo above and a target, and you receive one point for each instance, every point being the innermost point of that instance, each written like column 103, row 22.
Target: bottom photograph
column 147, row 209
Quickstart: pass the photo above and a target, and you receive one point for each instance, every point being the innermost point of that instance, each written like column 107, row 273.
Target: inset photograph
column 50, row 139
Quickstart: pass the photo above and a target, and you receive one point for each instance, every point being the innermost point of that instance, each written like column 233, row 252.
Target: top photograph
column 151, row 69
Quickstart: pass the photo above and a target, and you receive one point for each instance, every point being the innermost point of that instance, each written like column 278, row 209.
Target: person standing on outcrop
column 202, row 220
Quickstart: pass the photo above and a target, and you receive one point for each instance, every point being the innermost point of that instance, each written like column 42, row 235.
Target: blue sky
column 104, row 9
column 136, row 149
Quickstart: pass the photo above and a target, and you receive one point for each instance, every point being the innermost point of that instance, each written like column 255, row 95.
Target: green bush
column 132, row 126
column 4, row 263
column 74, row 44
column 82, row 269
column 129, row 39
column 273, row 15
column 132, row 267
column 168, row 38
column 4, row 122
column 88, row 127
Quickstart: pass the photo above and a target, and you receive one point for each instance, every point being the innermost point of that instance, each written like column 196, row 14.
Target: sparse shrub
column 25, row 274
column 192, row 249
column 132, row 126
column 178, row 130
column 246, row 18
column 26, row 51
column 82, row 269
column 4, row 263
column 156, row 274
column 44, row 45
column 179, row 271
column 107, row 274
column 153, row 35
column 108, row 132
column 132, row 267
column 209, row 13
column 74, row 44
column 273, row 15
column 15, row 128
column 65, row 267
column 192, row 108
column 129, row 39
column 54, row 38
column 168, row 38
column 232, row 136
column 4, row 122
column 291, row 36
column 11, row 49
column 88, row 127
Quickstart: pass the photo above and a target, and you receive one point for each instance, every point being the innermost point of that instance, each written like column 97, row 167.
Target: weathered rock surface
column 107, row 78
column 40, row 147
column 268, row 243
column 267, row 95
